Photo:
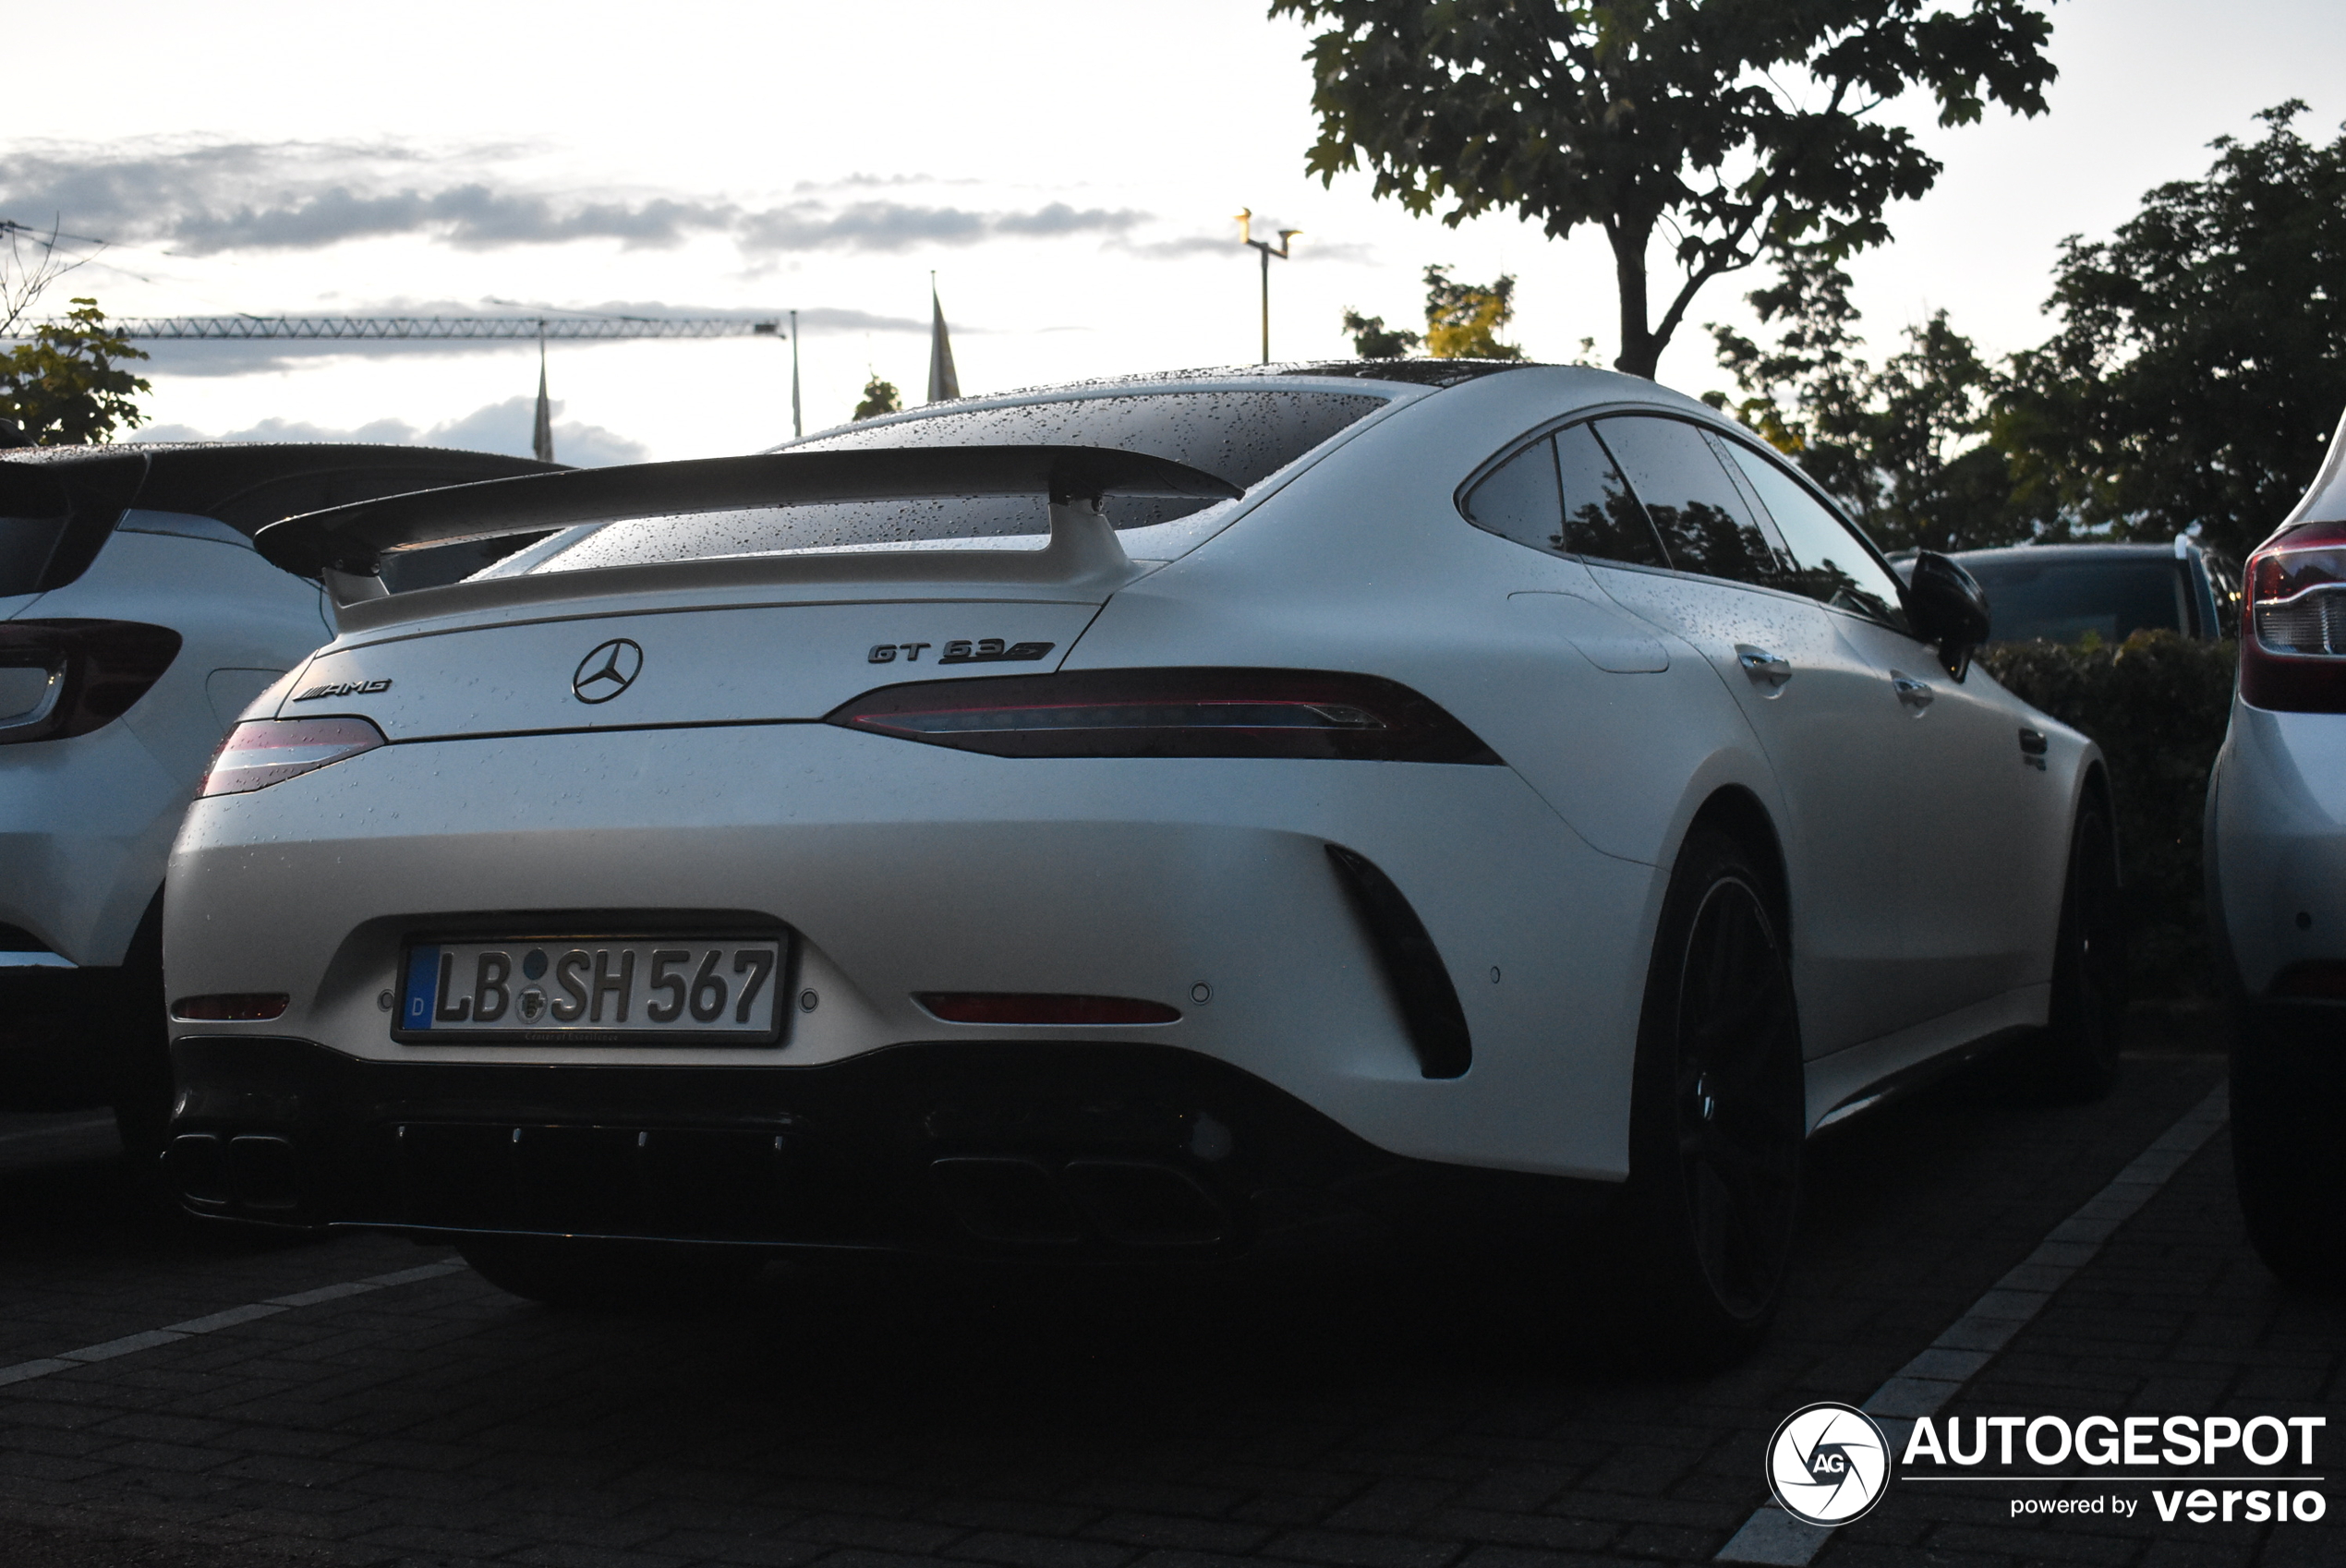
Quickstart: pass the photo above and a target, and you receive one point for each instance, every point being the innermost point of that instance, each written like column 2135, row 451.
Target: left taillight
column 63, row 678
column 262, row 751
column 1171, row 713
column 2293, row 646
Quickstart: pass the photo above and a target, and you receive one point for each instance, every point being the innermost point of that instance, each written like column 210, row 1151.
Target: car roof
column 2051, row 554
column 1399, row 379
column 250, row 484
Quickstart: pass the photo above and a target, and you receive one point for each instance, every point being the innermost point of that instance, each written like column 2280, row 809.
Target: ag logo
column 609, row 669
column 1828, row 1464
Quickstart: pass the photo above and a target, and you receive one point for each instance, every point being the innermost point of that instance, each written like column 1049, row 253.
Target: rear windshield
column 2063, row 600
column 1241, row 437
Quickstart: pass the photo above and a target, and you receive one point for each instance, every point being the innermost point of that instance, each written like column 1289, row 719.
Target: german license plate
column 594, row 990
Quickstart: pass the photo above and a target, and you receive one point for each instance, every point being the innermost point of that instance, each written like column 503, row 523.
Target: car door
column 1977, row 828
column 1808, row 694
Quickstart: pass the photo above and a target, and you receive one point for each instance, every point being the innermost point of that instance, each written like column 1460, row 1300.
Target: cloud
column 296, row 195
column 499, row 427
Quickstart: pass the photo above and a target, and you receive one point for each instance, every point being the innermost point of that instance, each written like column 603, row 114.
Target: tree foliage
column 1905, row 447
column 65, row 387
column 1463, row 320
column 2201, row 361
column 1375, row 340
column 1722, row 126
column 879, row 397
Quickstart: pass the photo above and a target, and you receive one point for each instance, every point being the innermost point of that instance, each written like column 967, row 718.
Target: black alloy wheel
column 1719, row 1118
column 2077, row 1059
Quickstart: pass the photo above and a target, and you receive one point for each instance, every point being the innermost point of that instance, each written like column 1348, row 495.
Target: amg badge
column 344, row 689
column 964, row 650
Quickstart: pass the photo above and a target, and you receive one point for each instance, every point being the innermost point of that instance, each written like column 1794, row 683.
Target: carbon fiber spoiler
column 345, row 546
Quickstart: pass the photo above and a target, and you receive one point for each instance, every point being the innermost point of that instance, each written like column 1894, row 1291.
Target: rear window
column 2063, row 600
column 34, row 514
column 1242, row 437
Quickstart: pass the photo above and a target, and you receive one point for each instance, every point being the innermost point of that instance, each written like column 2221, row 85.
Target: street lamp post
column 1246, row 236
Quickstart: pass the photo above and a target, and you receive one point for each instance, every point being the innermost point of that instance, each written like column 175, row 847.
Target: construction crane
column 448, row 328
column 601, row 328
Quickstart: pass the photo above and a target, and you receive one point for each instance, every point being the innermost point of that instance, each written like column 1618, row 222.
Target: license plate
column 594, row 990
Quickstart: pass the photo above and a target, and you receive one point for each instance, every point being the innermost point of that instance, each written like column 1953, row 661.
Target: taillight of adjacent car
column 261, row 752
column 2292, row 644
column 63, row 678
column 1171, row 713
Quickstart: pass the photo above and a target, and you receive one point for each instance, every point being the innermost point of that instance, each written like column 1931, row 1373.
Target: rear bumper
column 899, row 870
column 1074, row 1150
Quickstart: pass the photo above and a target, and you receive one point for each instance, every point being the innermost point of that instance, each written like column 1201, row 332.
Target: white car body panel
column 1925, row 879
column 86, row 823
column 2277, row 816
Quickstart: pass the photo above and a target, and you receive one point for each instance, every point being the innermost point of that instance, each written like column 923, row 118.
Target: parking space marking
column 66, row 1361
column 1924, row 1385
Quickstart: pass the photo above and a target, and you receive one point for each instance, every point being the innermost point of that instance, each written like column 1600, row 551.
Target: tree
column 28, row 264
column 1728, row 126
column 879, row 397
column 2200, row 365
column 64, row 388
column 1904, row 448
column 1462, row 321
column 1375, row 340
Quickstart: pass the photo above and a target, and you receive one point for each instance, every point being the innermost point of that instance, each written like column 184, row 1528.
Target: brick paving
column 1333, row 1411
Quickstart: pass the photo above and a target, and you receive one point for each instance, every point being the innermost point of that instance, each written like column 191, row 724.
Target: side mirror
column 1946, row 605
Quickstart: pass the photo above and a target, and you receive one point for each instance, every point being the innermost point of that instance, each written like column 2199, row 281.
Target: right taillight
column 65, row 678
column 1171, row 713
column 2292, row 644
column 262, row 751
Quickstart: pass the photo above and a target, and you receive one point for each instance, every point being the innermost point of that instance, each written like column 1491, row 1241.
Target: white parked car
column 136, row 623
column 2276, row 864
column 1123, row 820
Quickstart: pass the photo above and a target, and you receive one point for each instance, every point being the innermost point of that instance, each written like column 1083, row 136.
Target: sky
column 1068, row 173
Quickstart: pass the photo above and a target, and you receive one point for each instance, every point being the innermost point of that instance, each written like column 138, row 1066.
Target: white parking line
column 66, row 1361
column 1924, row 1385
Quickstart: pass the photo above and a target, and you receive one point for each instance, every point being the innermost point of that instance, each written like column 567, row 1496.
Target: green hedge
column 2157, row 704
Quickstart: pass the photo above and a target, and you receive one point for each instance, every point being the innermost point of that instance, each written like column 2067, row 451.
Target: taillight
column 1026, row 1007
column 262, row 751
column 2293, row 646
column 1171, row 713
column 65, row 678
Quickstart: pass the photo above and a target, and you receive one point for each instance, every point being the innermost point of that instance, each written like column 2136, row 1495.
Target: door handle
column 1765, row 668
column 1916, row 694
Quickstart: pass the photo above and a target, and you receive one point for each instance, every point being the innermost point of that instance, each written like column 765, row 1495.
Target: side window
column 1601, row 517
column 1829, row 563
column 1519, row 499
column 1698, row 511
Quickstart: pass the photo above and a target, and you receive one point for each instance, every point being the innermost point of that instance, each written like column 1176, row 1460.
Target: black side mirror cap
column 1946, row 606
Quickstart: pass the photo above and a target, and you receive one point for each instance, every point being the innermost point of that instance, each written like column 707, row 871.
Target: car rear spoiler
column 344, row 546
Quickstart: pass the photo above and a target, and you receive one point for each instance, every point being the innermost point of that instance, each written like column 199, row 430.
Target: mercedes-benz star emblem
column 608, row 672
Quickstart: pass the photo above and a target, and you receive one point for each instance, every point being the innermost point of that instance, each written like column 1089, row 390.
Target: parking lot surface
column 353, row 1400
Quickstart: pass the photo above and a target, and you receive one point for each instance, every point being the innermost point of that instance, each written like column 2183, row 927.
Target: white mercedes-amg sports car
column 1123, row 820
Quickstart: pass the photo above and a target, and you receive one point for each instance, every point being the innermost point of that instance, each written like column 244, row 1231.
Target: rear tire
column 593, row 1274
column 1718, row 1115
column 2286, row 1153
column 2076, row 1058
